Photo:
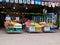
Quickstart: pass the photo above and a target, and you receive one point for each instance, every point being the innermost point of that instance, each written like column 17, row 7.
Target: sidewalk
column 29, row 38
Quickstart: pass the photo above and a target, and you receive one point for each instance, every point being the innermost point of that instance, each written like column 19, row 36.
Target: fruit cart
column 17, row 28
column 14, row 30
column 13, row 27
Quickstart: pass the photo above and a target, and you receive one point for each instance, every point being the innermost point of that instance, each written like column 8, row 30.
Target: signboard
column 0, row 0
column 16, row 1
column 20, row 1
column 24, row 1
column 7, row 0
column 32, row 1
column 12, row 1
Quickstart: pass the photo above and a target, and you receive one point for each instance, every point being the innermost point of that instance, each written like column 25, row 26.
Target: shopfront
column 32, row 9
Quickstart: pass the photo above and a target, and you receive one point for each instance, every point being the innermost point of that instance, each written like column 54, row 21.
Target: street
column 29, row 38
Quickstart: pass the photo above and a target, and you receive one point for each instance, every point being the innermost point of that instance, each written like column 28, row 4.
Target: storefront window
column 20, row 1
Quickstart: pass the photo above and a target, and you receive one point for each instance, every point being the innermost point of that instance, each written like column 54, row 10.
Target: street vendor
column 23, row 19
column 8, row 18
